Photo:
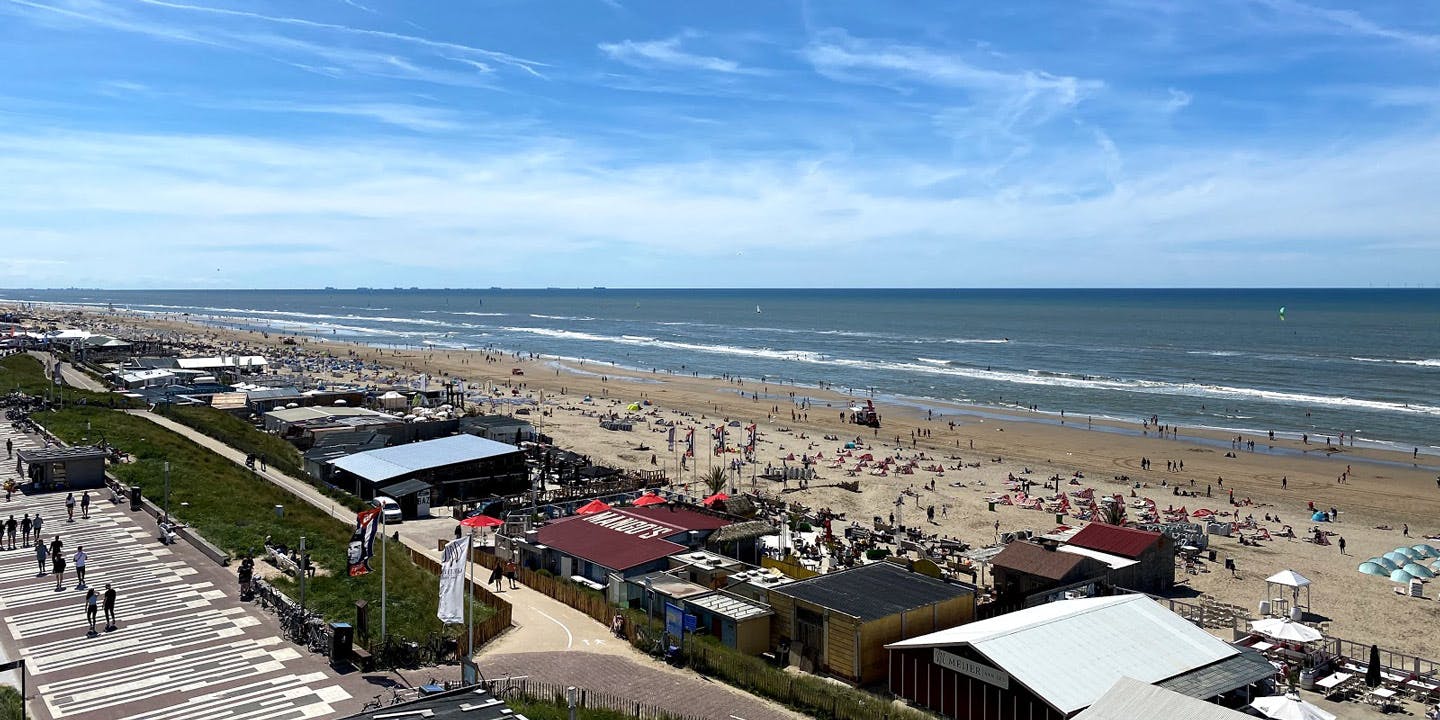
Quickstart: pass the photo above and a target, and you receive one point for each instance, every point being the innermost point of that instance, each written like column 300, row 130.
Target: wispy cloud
column 667, row 53
column 1302, row 16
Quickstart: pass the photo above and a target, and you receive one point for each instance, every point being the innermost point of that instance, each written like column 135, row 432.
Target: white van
column 390, row 509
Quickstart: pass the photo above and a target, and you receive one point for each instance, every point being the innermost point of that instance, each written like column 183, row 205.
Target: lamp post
column 167, row 489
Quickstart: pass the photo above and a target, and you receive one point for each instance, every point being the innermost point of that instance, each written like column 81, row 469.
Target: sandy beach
column 1382, row 492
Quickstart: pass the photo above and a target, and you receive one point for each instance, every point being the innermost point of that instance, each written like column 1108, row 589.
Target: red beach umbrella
column 648, row 499
column 592, row 507
column 717, row 497
column 481, row 521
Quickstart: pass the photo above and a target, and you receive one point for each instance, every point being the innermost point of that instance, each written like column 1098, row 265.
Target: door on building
column 565, row 566
column 810, row 634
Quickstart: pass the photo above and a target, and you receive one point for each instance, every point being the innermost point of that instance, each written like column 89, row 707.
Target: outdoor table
column 1382, row 697
column 1331, row 682
column 1261, row 646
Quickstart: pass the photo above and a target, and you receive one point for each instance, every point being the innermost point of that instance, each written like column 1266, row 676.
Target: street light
column 167, row 489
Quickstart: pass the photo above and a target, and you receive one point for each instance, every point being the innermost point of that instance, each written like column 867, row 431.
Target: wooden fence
column 487, row 629
column 591, row 602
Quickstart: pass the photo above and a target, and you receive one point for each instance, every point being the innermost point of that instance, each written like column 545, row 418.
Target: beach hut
column 1428, row 551
column 1419, row 571
column 1372, row 568
column 1289, row 707
column 1400, row 576
column 1398, row 559
column 1384, row 562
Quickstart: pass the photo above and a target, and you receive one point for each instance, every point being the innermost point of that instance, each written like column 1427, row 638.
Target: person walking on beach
column 1341, row 542
column 80, row 558
column 109, row 607
column 70, row 505
column 92, row 606
column 85, row 505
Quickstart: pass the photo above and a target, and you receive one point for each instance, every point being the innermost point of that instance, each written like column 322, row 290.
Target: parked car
column 390, row 509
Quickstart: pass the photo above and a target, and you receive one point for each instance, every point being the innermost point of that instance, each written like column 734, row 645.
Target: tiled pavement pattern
column 184, row 647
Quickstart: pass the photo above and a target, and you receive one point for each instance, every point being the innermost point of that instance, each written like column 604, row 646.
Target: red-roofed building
column 623, row 541
column 1153, row 553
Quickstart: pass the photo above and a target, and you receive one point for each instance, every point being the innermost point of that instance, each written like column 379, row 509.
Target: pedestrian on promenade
column 85, row 505
column 41, row 555
column 510, row 571
column 91, row 609
column 80, row 557
column 495, row 577
column 10, row 526
column 70, row 505
column 35, row 527
column 109, row 607
column 9, row 448
column 25, row 528
column 59, row 561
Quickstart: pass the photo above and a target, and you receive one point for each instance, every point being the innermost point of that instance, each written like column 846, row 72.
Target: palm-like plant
column 714, row 479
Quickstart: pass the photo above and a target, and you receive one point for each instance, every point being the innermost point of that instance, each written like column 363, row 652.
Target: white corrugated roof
column 1069, row 652
column 1114, row 561
column 143, row 375
column 220, row 362
column 1129, row 698
column 386, row 463
column 731, row 606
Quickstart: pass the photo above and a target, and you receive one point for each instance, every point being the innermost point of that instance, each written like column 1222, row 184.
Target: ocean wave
column 768, row 353
column 641, row 338
column 477, row 314
column 538, row 316
column 975, row 341
column 1426, row 362
column 1215, row 353
column 932, row 361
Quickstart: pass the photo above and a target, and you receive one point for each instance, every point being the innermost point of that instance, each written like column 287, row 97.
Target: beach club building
column 1051, row 661
column 1139, row 559
column 840, row 622
column 623, row 542
column 1028, row 573
column 459, row 468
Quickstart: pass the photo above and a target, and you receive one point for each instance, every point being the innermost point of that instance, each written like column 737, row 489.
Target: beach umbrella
column 481, row 521
column 592, row 507
column 1384, row 562
column 1419, row 571
column 648, row 498
column 1399, row 560
column 1400, row 576
column 1286, row 629
column 1428, row 551
column 717, row 497
column 1289, row 707
column 1371, row 568
column 1407, row 552
column 1372, row 670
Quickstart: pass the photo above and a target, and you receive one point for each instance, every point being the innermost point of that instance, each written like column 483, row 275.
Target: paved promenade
column 183, row 648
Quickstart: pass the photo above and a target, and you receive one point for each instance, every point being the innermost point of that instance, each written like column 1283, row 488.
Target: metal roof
column 732, row 606
column 1129, row 698
column 240, row 361
column 1214, row 680
column 386, row 463
column 57, row 453
column 1032, row 559
column 874, row 591
column 300, row 414
column 1116, row 540
column 580, row 536
column 404, row 488
column 1068, row 652
column 1114, row 561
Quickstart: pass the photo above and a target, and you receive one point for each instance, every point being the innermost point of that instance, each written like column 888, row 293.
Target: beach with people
column 938, row 466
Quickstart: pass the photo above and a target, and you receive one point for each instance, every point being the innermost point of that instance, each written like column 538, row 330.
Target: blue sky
column 213, row 143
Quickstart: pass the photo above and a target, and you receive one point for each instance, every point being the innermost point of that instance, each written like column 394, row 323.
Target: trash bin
column 992, row 506
column 134, row 498
column 342, row 636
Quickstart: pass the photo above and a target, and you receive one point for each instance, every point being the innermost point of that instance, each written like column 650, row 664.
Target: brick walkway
column 678, row 692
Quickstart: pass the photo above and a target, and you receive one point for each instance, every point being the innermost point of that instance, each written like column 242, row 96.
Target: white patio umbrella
column 1286, row 629
column 1289, row 707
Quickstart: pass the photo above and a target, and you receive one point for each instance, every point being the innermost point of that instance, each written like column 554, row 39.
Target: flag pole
column 382, row 575
column 470, row 595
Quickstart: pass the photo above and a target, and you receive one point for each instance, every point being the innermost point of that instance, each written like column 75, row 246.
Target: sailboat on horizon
column 757, row 309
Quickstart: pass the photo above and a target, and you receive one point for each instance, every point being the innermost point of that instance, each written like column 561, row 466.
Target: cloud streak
column 667, row 53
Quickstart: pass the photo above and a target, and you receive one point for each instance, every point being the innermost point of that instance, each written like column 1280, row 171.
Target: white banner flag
column 452, row 581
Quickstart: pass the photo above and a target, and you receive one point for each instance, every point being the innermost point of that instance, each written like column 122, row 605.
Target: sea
column 1364, row 362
